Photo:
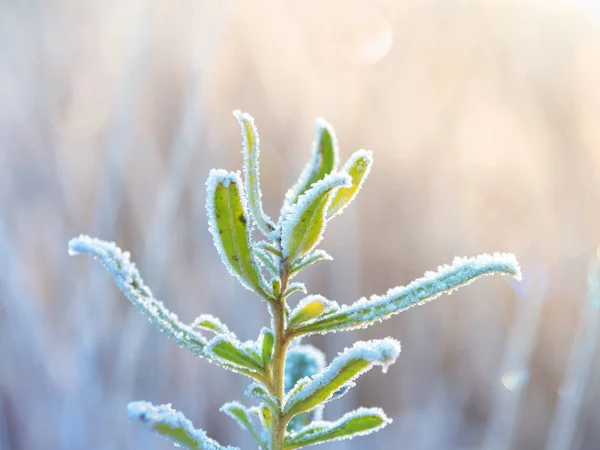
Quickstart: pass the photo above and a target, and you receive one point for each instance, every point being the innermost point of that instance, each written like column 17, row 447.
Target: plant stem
column 281, row 342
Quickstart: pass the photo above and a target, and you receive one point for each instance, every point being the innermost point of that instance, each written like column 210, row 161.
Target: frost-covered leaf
column 323, row 161
column 307, row 260
column 356, row 423
column 358, row 167
column 228, row 350
column 210, row 323
column 294, row 287
column 308, row 308
column 266, row 341
column 260, row 393
column 344, row 369
column 304, row 223
column 267, row 260
column 173, row 426
column 365, row 312
column 251, row 175
column 228, row 223
column 128, row 279
column 301, row 363
column 269, row 247
column 244, row 419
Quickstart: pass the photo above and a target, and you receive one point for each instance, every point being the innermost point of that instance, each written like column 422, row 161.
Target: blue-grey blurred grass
column 484, row 120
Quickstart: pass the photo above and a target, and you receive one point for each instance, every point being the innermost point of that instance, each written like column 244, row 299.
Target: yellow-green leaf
column 358, row 167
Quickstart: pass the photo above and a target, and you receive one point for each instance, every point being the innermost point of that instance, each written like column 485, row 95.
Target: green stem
column 281, row 342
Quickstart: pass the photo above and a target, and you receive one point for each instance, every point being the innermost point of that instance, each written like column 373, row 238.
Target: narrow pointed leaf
column 251, row 175
column 266, row 259
column 228, row 350
column 358, row 167
column 303, row 225
column 260, row 393
column 294, row 287
column 356, row 423
column 243, row 417
column 310, row 258
column 344, row 369
column 228, row 223
column 129, row 281
column 308, row 308
column 172, row 426
column 323, row 161
column 210, row 323
column 365, row 312
column 266, row 341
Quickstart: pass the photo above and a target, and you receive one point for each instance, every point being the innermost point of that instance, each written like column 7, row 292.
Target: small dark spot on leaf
column 242, row 219
column 235, row 258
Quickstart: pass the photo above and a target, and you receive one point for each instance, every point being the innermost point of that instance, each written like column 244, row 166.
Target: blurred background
column 484, row 117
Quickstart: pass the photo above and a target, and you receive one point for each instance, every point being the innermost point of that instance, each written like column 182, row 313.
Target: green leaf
column 228, row 223
column 344, row 369
column 210, row 323
column 323, row 161
column 172, row 426
column 128, row 279
column 243, row 417
column 356, row 423
column 307, row 309
column 266, row 259
column 303, row 225
column 227, row 349
column 251, row 175
column 260, row 393
column 307, row 260
column 365, row 312
column 267, row 340
column 358, row 167
column 294, row 287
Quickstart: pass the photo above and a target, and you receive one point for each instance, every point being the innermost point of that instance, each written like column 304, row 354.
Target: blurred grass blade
column 128, row 279
column 304, row 223
column 172, row 426
column 226, row 207
column 310, row 258
column 251, row 173
column 210, row 323
column 356, row 423
column 243, row 417
column 365, row 312
column 344, row 369
column 358, row 167
column 323, row 161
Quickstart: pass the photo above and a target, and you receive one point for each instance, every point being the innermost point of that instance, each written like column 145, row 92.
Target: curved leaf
column 344, row 369
column 310, row 258
column 356, row 423
column 251, row 175
column 243, row 417
column 324, row 159
column 172, row 426
column 365, row 312
column 228, row 223
column 128, row 279
column 358, row 167
column 303, row 225
column 210, row 323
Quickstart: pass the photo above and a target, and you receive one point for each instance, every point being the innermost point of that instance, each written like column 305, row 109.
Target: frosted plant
column 290, row 382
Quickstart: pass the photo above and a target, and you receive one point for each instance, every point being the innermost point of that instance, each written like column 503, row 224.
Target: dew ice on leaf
column 245, row 419
column 128, row 279
column 210, row 323
column 358, row 167
column 228, row 223
column 356, row 423
column 309, row 308
column 241, row 357
column 303, row 225
column 251, row 174
column 173, row 426
column 344, row 369
column 323, row 161
column 309, row 259
column 366, row 312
